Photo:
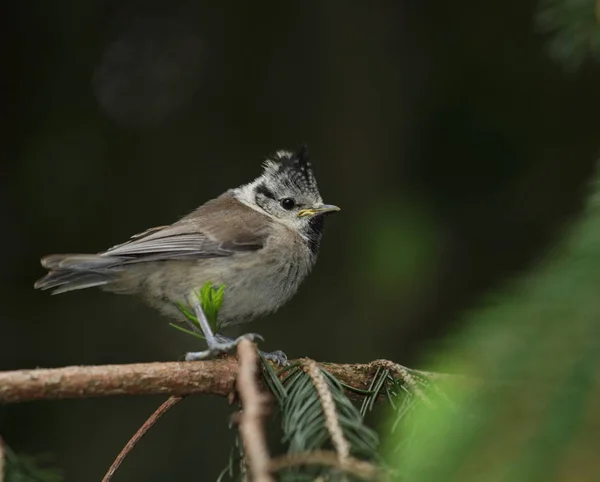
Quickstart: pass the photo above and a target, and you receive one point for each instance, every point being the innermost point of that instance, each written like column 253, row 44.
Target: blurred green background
column 456, row 147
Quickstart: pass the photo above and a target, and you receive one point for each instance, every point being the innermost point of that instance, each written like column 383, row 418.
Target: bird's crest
column 292, row 168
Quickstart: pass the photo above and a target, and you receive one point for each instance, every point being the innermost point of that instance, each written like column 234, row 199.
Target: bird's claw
column 219, row 347
column 278, row 357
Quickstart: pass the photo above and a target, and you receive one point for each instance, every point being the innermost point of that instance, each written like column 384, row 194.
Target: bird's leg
column 279, row 357
column 216, row 345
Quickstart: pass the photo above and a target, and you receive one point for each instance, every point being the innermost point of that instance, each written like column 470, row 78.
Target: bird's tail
column 68, row 272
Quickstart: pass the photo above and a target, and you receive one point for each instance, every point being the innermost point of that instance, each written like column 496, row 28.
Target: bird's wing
column 219, row 228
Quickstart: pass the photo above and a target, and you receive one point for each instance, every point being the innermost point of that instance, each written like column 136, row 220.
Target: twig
column 404, row 374
column 171, row 378
column 254, row 409
column 351, row 465
column 215, row 377
column 152, row 419
column 342, row 447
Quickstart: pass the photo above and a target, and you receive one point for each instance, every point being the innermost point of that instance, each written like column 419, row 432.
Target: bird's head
column 287, row 192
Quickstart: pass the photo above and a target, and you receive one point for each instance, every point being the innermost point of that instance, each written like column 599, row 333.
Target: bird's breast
column 263, row 281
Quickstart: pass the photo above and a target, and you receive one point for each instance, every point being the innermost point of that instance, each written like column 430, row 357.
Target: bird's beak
column 325, row 208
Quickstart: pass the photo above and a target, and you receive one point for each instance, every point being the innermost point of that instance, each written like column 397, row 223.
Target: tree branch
column 148, row 424
column 172, row 378
column 359, row 468
column 254, row 409
column 332, row 422
column 214, row 377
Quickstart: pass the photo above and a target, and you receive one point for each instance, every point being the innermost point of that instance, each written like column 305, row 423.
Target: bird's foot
column 220, row 345
column 224, row 344
column 277, row 356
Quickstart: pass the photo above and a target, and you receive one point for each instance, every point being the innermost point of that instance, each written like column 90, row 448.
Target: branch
column 159, row 412
column 359, row 468
column 214, row 377
column 171, row 378
column 254, row 409
column 341, row 445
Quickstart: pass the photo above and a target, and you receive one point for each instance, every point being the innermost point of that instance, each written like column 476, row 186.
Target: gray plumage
column 259, row 240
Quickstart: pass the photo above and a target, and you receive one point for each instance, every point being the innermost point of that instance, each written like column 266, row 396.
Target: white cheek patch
column 297, row 224
column 293, row 184
column 246, row 195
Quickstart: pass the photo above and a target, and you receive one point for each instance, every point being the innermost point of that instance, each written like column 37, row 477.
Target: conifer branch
column 359, row 468
column 214, row 377
column 342, row 447
column 254, row 410
column 402, row 373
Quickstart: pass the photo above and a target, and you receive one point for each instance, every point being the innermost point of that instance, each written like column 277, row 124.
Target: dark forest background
column 458, row 149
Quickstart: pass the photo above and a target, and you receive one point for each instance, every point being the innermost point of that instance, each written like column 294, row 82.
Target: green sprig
column 211, row 300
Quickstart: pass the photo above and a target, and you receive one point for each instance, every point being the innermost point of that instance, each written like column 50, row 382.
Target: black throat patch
column 314, row 231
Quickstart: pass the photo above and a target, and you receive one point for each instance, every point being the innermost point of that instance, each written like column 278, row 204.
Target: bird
column 259, row 241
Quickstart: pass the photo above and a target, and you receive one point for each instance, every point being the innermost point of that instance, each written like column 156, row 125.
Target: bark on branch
column 252, row 417
column 214, row 377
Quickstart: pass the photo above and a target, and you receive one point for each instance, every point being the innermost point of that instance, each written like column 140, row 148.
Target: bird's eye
column 287, row 203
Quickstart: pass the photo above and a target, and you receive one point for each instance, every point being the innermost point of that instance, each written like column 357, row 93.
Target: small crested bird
column 260, row 240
